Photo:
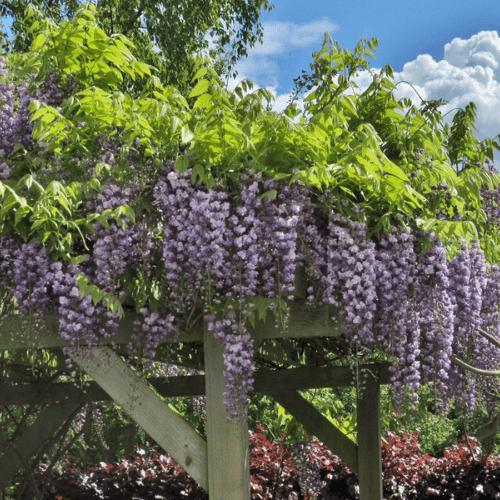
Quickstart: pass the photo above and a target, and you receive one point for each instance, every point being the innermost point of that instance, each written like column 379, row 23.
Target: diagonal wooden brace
column 20, row 451
column 489, row 430
column 146, row 408
column 318, row 425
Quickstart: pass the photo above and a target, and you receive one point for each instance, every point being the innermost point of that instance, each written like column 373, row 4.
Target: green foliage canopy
column 380, row 160
column 166, row 34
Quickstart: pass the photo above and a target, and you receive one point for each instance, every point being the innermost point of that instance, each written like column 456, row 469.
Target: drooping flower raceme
column 213, row 254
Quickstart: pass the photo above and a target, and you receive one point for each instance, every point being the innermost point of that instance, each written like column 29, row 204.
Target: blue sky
column 405, row 30
column 447, row 49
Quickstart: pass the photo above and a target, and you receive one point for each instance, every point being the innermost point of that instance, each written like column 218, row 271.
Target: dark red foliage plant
column 305, row 471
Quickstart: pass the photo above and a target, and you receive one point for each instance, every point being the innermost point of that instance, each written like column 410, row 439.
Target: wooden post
column 369, row 439
column 228, row 443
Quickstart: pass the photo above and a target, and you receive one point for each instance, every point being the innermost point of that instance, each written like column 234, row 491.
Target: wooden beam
column 29, row 442
column 146, row 408
column 16, row 332
column 23, row 394
column 312, row 377
column 369, row 439
column 228, row 444
column 318, row 425
column 10, row 394
column 488, row 430
column 192, row 385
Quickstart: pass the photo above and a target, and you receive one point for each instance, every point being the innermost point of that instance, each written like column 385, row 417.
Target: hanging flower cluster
column 217, row 253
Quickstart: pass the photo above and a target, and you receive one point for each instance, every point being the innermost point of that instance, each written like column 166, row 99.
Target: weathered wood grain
column 369, row 439
column 144, row 406
column 228, row 450
column 17, row 332
column 318, row 425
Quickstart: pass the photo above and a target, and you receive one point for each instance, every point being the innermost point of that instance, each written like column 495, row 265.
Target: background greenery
column 166, row 33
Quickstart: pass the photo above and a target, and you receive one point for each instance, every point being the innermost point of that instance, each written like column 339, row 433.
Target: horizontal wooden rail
column 310, row 377
column 17, row 332
column 193, row 385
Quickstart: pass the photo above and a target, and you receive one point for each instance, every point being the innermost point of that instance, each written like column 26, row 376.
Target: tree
column 166, row 33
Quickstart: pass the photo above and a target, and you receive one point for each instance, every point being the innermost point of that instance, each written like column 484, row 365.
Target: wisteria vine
column 214, row 252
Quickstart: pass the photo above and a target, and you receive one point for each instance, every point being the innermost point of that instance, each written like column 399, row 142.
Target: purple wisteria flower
column 213, row 254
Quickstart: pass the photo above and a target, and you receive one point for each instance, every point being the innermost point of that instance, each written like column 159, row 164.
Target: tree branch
column 470, row 368
column 489, row 337
column 130, row 23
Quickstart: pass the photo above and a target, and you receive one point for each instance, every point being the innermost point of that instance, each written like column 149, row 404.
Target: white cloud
column 280, row 40
column 280, row 37
column 469, row 71
column 262, row 69
column 482, row 49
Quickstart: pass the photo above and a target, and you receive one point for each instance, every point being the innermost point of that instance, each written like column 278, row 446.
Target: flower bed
column 306, row 471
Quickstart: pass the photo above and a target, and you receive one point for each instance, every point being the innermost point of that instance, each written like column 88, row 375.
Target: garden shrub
column 307, row 470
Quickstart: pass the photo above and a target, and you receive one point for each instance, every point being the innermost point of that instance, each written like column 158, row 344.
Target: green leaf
column 181, row 164
column 199, row 74
column 128, row 212
column 21, row 213
column 38, row 42
column 261, row 306
column 204, row 101
column 77, row 260
column 281, row 410
column 48, row 117
column 198, row 173
column 40, row 112
column 271, row 194
column 281, row 175
column 347, row 190
column 200, row 88
column 175, row 124
column 186, row 135
column 394, row 115
column 239, row 92
column 38, row 223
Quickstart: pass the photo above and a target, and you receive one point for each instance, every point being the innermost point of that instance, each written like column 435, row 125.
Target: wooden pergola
column 220, row 465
